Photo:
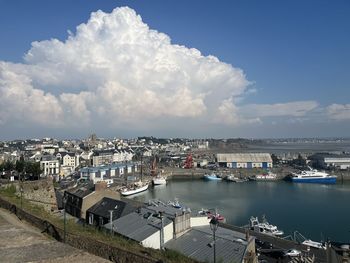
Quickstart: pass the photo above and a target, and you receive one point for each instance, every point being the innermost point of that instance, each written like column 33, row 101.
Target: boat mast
column 141, row 165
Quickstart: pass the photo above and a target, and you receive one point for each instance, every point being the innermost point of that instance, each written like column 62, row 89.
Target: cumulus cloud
column 116, row 68
column 338, row 111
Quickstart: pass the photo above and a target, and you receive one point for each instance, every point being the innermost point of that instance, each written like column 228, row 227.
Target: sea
column 319, row 212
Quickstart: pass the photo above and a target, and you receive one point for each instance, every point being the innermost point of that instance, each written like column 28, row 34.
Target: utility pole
column 111, row 220
column 161, row 231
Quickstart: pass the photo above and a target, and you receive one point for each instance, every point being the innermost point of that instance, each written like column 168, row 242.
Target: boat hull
column 135, row 191
column 212, row 178
column 159, row 181
column 324, row 180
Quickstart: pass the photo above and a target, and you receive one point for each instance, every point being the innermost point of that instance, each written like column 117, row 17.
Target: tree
column 275, row 159
column 33, row 168
column 9, row 166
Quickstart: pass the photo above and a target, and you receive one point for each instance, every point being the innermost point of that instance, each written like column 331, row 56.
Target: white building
column 145, row 224
column 107, row 172
column 69, row 161
column 244, row 160
column 50, row 165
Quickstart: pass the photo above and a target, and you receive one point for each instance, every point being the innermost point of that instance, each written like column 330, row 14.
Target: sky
column 197, row 69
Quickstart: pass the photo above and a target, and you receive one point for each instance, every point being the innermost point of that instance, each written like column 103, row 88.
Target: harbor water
column 317, row 211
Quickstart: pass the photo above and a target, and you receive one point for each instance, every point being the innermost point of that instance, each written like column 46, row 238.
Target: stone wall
column 40, row 192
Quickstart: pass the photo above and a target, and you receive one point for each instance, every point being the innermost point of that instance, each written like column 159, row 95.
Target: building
column 326, row 160
column 80, row 199
column 244, row 160
column 101, row 157
column 108, row 172
column 145, row 224
column 144, row 227
column 50, row 165
column 69, row 161
column 231, row 246
column 99, row 214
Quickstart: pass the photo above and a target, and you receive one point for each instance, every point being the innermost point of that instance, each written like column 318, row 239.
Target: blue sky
column 295, row 51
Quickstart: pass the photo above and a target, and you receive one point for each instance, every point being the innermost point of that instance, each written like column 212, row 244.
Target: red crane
column 188, row 162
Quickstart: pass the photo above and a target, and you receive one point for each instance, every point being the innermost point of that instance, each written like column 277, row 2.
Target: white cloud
column 21, row 102
column 338, row 111
column 115, row 68
column 294, row 109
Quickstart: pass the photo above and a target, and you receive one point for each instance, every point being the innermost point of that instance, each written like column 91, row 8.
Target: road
column 21, row 242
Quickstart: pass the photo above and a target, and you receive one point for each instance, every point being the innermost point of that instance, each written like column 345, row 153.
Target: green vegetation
column 22, row 166
column 9, row 193
column 8, row 190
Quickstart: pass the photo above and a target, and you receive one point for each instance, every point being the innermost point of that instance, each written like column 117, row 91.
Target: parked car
column 292, row 253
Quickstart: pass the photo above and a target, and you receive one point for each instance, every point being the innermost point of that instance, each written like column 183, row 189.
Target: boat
column 175, row 203
column 204, row 212
column 264, row 227
column 217, row 216
column 212, row 177
column 159, row 180
column 299, row 238
column 313, row 176
column 136, row 188
column 232, row 178
column 314, row 244
column 266, row 177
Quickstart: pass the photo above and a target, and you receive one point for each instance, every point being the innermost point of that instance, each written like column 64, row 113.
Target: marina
column 308, row 208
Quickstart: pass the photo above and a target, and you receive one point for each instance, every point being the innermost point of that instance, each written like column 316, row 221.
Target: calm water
column 317, row 211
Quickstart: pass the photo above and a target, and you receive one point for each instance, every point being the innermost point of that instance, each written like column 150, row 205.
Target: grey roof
column 138, row 225
column 329, row 155
column 48, row 158
column 230, row 245
column 120, row 208
column 103, row 152
column 243, row 157
column 169, row 211
column 81, row 191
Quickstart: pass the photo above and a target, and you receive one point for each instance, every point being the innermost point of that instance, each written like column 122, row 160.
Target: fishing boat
column 217, row 216
column 269, row 176
column 212, row 177
column 136, row 188
column 313, row 176
column 232, row 178
column 299, row 238
column 264, row 227
column 175, row 203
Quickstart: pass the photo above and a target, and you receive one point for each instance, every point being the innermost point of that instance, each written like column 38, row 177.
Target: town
column 89, row 182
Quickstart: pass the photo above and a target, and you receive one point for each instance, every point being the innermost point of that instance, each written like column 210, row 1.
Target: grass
column 9, row 193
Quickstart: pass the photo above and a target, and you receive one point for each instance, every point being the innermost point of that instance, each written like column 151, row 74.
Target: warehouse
column 326, row 160
column 244, row 160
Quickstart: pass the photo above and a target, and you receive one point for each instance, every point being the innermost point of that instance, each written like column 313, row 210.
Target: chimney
column 100, row 186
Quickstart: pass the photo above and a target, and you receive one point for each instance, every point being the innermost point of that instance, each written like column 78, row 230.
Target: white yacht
column 313, row 176
column 136, row 188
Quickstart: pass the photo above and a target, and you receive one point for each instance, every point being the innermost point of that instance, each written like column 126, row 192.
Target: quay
column 198, row 173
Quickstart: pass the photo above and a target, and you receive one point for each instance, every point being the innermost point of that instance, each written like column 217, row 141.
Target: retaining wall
column 90, row 245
